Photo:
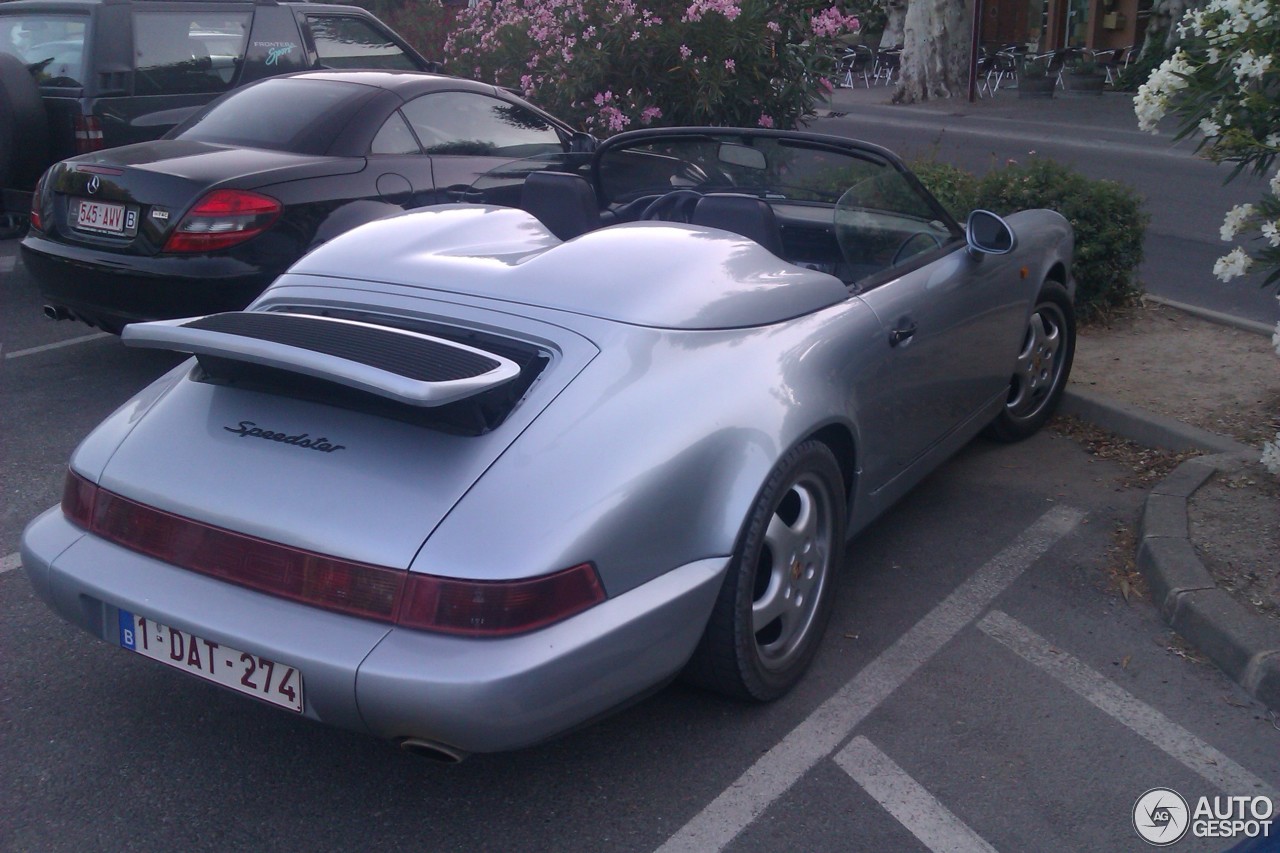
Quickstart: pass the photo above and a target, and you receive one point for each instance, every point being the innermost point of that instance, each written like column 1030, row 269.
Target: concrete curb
column 1242, row 644
column 1145, row 427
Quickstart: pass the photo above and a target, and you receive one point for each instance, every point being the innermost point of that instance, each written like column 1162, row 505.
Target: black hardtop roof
column 400, row 82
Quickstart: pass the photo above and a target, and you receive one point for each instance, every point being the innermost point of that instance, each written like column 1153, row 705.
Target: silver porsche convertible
column 467, row 477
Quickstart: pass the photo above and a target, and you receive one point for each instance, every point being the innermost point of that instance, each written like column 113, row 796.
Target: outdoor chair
column 888, row 64
column 857, row 61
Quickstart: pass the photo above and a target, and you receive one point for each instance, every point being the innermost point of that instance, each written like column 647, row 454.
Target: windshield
column 299, row 115
column 52, row 45
column 773, row 167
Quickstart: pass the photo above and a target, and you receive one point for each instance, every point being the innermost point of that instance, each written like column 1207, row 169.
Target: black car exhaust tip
column 57, row 312
column 432, row 750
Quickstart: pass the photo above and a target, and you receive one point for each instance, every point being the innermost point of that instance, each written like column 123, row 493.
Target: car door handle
column 906, row 331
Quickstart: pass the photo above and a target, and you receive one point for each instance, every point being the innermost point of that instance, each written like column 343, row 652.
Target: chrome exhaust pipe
column 57, row 312
column 432, row 750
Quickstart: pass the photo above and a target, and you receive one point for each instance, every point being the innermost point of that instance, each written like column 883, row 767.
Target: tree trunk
column 935, row 53
column 1162, row 28
column 896, row 10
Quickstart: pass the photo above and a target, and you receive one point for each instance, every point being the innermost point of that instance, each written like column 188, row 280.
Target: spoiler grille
column 405, row 366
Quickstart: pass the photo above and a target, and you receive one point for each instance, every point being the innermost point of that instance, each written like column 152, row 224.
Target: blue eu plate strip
column 127, row 639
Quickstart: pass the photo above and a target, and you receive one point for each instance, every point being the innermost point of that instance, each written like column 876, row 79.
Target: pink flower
column 685, row 52
column 766, row 120
column 728, row 65
column 649, row 114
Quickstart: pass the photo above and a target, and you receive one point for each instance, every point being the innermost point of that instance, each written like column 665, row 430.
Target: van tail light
column 424, row 602
column 88, row 134
column 221, row 219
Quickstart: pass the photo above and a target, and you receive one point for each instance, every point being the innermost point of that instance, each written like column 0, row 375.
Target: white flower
column 1232, row 265
column 1275, row 183
column 1271, row 232
column 1248, row 65
column 1234, row 219
column 1273, row 141
column 1271, row 455
column 1214, row 55
column 1209, row 127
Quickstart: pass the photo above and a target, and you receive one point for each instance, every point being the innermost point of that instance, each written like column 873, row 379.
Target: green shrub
column 955, row 188
column 1108, row 217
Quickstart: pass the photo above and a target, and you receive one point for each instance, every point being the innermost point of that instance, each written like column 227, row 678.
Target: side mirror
column 988, row 234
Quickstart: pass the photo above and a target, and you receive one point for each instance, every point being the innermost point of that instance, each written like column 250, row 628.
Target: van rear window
column 51, row 44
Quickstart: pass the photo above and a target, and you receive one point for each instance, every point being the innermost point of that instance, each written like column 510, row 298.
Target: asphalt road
column 980, row 683
column 1186, row 195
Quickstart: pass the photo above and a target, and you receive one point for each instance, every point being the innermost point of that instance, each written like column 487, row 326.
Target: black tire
column 24, row 126
column 1044, row 364
column 761, row 655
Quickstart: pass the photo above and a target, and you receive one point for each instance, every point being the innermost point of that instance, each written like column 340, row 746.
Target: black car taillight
column 424, row 602
column 223, row 218
column 36, row 223
column 88, row 134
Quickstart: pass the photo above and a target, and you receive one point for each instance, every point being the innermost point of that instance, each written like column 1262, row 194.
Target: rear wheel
column 1043, row 365
column 777, row 595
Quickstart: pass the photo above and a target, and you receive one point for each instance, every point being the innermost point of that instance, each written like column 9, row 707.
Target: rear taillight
column 36, row 222
column 221, row 219
column 88, row 134
column 426, row 602
column 497, row 608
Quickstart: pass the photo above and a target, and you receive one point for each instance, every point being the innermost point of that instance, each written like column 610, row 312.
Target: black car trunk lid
column 130, row 199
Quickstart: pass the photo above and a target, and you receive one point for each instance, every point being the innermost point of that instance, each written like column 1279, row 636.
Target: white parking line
column 904, row 798
column 7, row 263
column 11, row 562
column 1106, row 696
column 19, row 353
column 834, row 720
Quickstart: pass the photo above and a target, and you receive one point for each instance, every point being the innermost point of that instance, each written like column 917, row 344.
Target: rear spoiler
column 405, row 366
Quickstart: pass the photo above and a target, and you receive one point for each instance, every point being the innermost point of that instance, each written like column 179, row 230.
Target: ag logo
column 1161, row 817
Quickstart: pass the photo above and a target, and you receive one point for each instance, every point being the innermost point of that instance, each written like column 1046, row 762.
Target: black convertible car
column 204, row 219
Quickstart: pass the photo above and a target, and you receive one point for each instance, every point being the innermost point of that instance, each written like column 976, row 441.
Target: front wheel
column 777, row 595
column 1043, row 365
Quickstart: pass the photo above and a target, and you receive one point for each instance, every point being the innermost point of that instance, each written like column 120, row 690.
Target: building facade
column 1044, row 25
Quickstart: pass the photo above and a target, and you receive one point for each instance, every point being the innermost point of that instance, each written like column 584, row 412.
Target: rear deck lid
column 316, row 471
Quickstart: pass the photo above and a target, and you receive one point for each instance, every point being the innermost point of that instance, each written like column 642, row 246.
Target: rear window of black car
column 284, row 114
column 54, row 44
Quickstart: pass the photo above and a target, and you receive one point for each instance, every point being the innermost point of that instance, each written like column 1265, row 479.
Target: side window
column 188, row 53
column 394, row 138
column 883, row 221
column 52, row 44
column 346, row 42
column 478, row 125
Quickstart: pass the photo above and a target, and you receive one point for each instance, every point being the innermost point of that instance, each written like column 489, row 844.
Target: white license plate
column 245, row 673
column 106, row 218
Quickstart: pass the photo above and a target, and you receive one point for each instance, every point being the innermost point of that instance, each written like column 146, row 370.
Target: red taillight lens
column 446, row 605
column 77, row 499
column 497, row 608
column 88, row 134
column 36, row 223
column 223, row 218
